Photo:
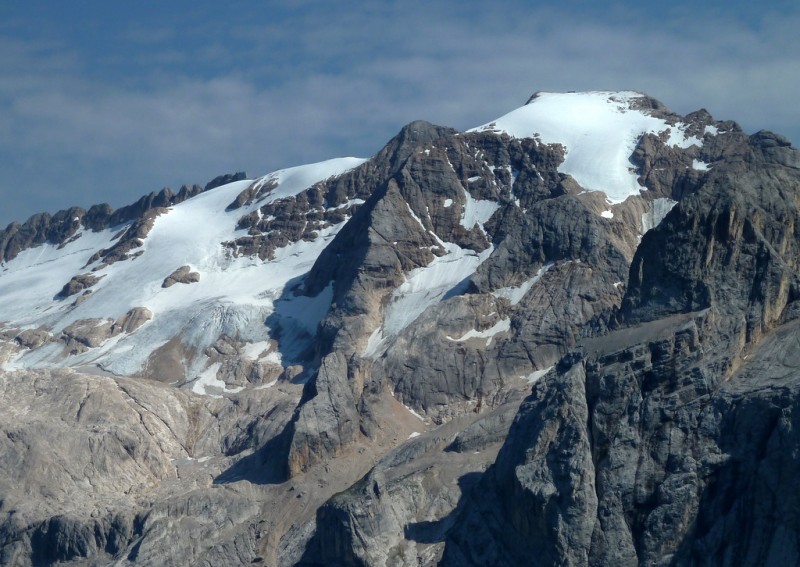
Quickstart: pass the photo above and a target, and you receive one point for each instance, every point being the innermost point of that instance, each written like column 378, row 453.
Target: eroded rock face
column 644, row 456
column 123, row 468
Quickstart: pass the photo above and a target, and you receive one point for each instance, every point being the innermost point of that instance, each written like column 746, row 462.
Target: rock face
column 123, row 468
column 668, row 440
column 77, row 284
column 476, row 360
column 641, row 456
column 183, row 275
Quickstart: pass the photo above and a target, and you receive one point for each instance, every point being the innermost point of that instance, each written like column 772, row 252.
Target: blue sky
column 106, row 101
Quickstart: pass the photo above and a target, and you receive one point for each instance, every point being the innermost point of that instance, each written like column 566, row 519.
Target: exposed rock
column 121, row 471
column 77, row 284
column 224, row 179
column 254, row 192
column 32, row 338
column 38, row 229
column 65, row 225
column 129, row 238
column 183, row 275
column 132, row 320
column 86, row 334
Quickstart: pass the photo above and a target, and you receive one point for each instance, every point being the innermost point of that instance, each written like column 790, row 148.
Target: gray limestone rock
column 95, row 470
column 132, row 320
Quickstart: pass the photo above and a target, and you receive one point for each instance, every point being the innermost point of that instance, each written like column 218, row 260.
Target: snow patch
column 428, row 285
column 678, row 138
column 515, row 294
column 256, row 351
column 415, row 414
column 607, row 214
column 700, row 165
column 534, row 376
column 207, row 383
column 345, row 205
column 375, row 344
column 502, row 326
column 477, row 211
column 659, row 208
column 448, row 203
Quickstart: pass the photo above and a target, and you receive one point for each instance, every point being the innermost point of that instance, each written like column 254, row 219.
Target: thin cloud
column 303, row 89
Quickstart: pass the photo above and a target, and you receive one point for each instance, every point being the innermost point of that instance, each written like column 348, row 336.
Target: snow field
column 233, row 296
column 599, row 131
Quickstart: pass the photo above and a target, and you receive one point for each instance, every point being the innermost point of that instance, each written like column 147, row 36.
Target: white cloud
column 323, row 84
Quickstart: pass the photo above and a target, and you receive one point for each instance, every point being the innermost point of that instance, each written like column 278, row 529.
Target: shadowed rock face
column 508, row 372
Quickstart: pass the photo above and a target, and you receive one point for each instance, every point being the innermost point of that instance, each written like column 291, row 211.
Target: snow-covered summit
column 599, row 131
column 233, row 295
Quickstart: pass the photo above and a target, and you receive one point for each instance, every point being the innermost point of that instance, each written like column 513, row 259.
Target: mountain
column 564, row 337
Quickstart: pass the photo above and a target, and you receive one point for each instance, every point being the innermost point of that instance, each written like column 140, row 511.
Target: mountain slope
column 279, row 339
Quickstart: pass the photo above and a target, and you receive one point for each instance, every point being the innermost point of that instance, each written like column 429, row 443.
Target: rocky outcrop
column 224, row 179
column 132, row 320
column 183, row 275
column 644, row 455
column 78, row 284
column 121, row 470
column 38, row 229
column 254, row 192
column 128, row 239
column 86, row 334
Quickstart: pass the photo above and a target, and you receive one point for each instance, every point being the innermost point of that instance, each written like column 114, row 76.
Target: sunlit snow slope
column 599, row 131
column 233, row 296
